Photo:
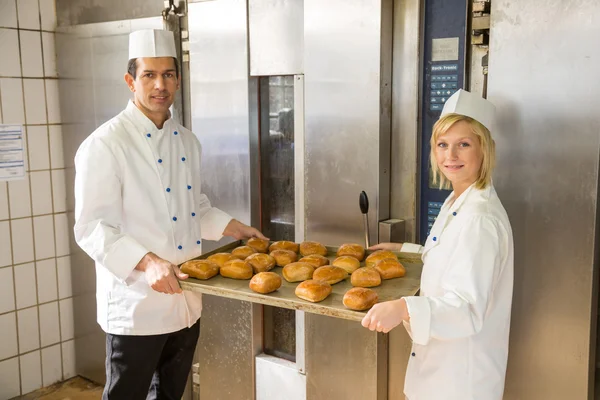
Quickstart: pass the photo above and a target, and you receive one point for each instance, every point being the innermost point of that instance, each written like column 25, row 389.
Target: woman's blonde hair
column 488, row 149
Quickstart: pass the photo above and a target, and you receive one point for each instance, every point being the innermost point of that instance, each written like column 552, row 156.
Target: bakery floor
column 73, row 389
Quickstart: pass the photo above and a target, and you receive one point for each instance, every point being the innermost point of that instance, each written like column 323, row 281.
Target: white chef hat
column 471, row 105
column 151, row 43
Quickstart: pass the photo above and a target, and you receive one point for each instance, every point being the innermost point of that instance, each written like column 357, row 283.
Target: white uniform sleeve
column 98, row 211
column 213, row 221
column 411, row 248
column 468, row 284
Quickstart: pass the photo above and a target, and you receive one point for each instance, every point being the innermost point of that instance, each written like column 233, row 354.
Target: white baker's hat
column 471, row 105
column 151, row 43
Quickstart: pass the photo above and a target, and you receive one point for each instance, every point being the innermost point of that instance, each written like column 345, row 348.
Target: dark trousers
column 149, row 367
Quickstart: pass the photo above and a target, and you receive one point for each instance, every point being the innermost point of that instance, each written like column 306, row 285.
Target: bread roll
column 329, row 274
column 284, row 257
column 261, row 262
column 360, row 299
column 265, row 282
column 284, row 245
column 221, row 258
column 390, row 268
column 316, row 260
column 243, row 252
column 236, row 269
column 365, row 277
column 298, row 271
column 352, row 250
column 349, row 263
column 378, row 255
column 313, row 291
column 308, row 248
column 260, row 245
column 200, row 269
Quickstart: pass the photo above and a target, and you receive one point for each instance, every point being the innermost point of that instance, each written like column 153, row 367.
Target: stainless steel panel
column 225, row 350
column 278, row 379
column 344, row 360
column 220, row 102
column 299, row 154
column 405, row 114
column 543, row 80
column 79, row 12
column 345, row 108
column 276, row 37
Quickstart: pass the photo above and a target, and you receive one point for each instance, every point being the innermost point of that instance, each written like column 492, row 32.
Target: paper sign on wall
column 12, row 164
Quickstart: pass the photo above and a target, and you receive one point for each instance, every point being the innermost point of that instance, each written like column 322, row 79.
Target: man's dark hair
column 132, row 67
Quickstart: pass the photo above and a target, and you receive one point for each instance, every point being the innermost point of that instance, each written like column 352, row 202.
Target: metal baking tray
column 284, row 297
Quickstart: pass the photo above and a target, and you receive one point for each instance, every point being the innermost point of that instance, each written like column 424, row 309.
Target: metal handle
column 363, row 201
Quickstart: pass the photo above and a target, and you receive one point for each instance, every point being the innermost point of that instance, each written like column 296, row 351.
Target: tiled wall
column 36, row 299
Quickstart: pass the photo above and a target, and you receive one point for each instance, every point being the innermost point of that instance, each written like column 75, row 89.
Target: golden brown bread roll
column 261, row 262
column 221, row 258
column 365, row 277
column 329, row 274
column 284, row 245
column 243, row 252
column 200, row 269
column 352, row 250
column 260, row 245
column 360, row 298
column 265, row 282
column 298, row 271
column 390, row 268
column 348, row 263
column 316, row 260
column 313, row 291
column 307, row 248
column 377, row 256
column 236, row 269
column 284, row 257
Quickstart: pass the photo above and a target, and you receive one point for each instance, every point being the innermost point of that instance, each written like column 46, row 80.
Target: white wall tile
column 43, row 233
column 31, row 54
column 35, row 101
column 25, row 149
column 22, row 244
column 41, row 192
column 53, row 101
column 31, row 372
column 67, row 328
column 8, row 336
column 49, row 324
column 19, row 198
column 63, row 267
column 59, row 190
column 10, row 63
column 3, row 201
column 46, row 277
column 7, row 291
column 11, row 90
column 68, row 354
column 62, row 229
column 51, row 365
column 49, row 47
column 25, row 285
column 57, row 158
column 8, row 16
column 48, row 11
column 28, row 12
column 29, row 330
column 5, row 245
column 9, row 378
column 37, row 141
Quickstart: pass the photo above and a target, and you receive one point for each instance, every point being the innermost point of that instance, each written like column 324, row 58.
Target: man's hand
column 161, row 275
column 238, row 231
column 387, row 246
column 384, row 317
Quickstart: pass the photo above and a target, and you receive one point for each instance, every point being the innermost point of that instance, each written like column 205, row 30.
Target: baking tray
column 284, row 297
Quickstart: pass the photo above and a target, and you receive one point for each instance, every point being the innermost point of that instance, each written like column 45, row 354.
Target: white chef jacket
column 137, row 190
column 460, row 323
